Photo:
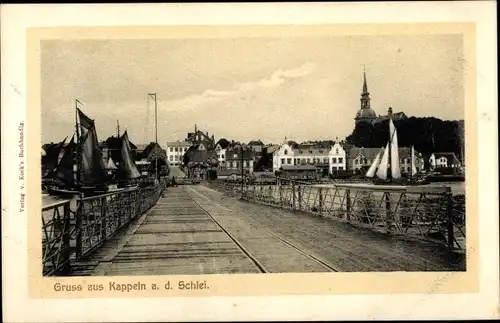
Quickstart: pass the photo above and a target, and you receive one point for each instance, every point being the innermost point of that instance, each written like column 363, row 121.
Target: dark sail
column 85, row 123
column 92, row 171
column 64, row 174
column 52, row 158
column 127, row 168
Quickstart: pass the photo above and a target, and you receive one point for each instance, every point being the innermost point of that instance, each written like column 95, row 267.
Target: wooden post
column 388, row 212
column 348, row 205
column 320, row 193
column 280, row 188
column 78, row 224
column 449, row 215
column 293, row 196
column 299, row 196
column 103, row 218
column 66, row 238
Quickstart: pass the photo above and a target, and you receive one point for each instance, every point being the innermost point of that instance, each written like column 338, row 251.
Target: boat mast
column 78, row 153
column 117, row 128
column 389, row 174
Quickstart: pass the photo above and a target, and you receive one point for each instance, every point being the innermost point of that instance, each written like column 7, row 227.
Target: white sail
column 413, row 167
column 111, row 164
column 373, row 167
column 395, row 170
column 382, row 168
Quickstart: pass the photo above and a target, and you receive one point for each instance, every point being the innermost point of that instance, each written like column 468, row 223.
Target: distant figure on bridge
column 173, row 181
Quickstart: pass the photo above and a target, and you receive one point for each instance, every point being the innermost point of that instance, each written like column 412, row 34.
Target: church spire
column 365, row 95
column 365, row 87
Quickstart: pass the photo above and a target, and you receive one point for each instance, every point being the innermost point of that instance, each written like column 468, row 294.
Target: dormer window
column 337, row 151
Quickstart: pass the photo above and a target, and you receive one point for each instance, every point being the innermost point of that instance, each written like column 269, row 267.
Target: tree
column 427, row 135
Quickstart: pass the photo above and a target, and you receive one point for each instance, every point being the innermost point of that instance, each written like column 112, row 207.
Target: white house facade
column 334, row 157
column 176, row 151
column 444, row 160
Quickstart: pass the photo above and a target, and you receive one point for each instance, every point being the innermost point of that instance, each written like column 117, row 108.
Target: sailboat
column 127, row 172
column 80, row 170
column 387, row 170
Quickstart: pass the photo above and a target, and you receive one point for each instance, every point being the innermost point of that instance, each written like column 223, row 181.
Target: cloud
column 274, row 80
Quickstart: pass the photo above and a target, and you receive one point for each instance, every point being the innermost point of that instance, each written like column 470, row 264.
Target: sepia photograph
column 253, row 155
column 196, row 162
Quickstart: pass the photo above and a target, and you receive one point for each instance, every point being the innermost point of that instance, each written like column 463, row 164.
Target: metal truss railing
column 432, row 213
column 72, row 234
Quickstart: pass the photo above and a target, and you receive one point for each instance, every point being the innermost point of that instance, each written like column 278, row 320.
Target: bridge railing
column 432, row 213
column 73, row 234
column 56, row 231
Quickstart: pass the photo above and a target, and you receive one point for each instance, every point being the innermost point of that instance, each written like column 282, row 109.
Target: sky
column 247, row 88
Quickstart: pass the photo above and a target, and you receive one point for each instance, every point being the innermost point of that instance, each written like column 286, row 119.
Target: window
column 308, row 160
column 222, row 156
column 286, row 151
column 341, row 160
column 282, row 160
column 171, row 149
column 176, row 149
column 171, row 157
column 334, row 160
column 337, row 151
column 334, row 168
column 289, row 161
column 356, row 161
column 176, row 157
column 366, row 160
column 325, row 160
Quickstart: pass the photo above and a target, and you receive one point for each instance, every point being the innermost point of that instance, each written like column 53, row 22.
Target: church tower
column 365, row 95
column 365, row 113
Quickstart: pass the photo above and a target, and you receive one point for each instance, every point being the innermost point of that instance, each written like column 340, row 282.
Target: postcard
column 200, row 162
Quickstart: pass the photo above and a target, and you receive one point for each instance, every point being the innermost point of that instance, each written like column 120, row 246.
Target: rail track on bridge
column 252, row 257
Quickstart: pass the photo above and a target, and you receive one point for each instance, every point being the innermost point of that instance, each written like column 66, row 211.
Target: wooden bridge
column 210, row 229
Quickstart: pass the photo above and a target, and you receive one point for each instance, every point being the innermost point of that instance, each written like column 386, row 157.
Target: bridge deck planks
column 180, row 237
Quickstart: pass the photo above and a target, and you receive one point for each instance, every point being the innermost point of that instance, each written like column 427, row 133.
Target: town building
column 198, row 160
column 175, row 151
column 360, row 159
column 220, row 148
column 444, row 160
column 111, row 151
column 238, row 154
column 154, row 156
column 258, row 148
column 198, row 137
column 325, row 159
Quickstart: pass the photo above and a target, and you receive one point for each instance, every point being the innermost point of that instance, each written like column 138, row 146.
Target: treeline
column 427, row 135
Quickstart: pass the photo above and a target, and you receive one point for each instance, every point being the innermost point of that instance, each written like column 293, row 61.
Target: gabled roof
column 257, row 142
column 147, row 150
column 310, row 151
column 178, row 143
column 395, row 117
column 116, row 143
column 366, row 152
column 272, row 149
column 224, row 143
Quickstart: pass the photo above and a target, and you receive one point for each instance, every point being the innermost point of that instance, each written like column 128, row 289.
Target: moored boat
column 80, row 170
column 386, row 170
